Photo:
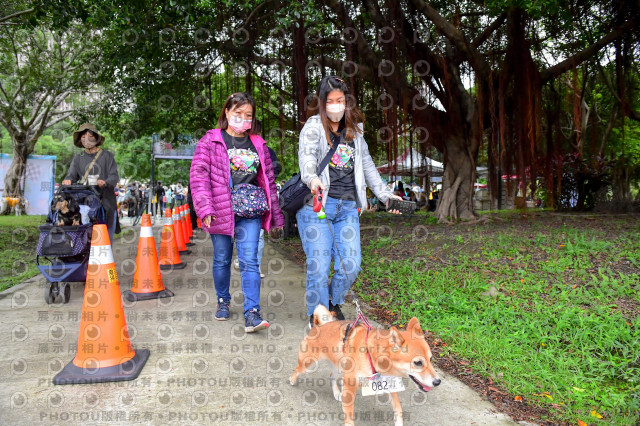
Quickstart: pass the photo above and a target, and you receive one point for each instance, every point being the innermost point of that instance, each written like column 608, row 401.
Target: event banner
column 38, row 181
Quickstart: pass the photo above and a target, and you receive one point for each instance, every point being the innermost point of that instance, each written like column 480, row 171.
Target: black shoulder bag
column 295, row 193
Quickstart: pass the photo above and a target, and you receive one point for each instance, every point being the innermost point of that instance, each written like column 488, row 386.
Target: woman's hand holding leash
column 314, row 184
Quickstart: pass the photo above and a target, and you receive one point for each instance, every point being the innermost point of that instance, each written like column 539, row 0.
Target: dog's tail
column 321, row 315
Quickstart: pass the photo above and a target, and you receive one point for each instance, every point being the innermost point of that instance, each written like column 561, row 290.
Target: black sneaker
column 310, row 322
column 335, row 309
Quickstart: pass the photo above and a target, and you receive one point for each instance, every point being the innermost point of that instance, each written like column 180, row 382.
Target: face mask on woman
column 335, row 112
column 239, row 125
column 89, row 143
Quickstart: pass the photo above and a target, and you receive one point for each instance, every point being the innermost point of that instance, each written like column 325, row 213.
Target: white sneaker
column 262, row 275
column 236, row 264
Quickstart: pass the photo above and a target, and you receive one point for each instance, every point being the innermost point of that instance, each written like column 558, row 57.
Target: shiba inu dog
column 359, row 352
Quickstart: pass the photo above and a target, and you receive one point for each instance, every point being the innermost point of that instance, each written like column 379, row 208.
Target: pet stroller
column 65, row 249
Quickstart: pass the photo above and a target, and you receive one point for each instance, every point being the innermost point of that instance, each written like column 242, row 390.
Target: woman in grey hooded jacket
column 338, row 124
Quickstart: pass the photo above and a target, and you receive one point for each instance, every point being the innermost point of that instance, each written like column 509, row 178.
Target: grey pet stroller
column 64, row 250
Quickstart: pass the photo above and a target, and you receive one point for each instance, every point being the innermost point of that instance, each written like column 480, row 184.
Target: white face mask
column 89, row 143
column 335, row 112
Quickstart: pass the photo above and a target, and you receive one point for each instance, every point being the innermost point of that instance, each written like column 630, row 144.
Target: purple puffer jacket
column 210, row 191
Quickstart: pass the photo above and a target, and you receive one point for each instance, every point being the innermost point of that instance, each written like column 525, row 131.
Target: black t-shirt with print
column 341, row 175
column 243, row 159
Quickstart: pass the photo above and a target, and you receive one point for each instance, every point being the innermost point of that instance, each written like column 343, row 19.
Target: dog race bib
column 381, row 384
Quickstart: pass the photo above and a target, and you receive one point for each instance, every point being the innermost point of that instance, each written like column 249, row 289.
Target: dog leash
column 360, row 316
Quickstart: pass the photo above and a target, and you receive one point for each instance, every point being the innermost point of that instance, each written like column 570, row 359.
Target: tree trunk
column 456, row 198
column 300, row 82
column 621, row 183
column 15, row 172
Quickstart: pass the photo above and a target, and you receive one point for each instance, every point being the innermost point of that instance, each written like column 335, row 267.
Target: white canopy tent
column 411, row 162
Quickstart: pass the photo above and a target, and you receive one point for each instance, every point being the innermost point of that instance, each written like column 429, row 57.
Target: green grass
column 18, row 241
column 557, row 333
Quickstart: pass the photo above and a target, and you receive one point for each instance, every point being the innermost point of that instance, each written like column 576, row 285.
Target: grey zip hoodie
column 313, row 148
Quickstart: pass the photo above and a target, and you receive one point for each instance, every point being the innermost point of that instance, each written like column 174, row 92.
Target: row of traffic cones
column 104, row 352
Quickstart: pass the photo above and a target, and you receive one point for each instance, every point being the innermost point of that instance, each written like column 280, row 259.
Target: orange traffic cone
column 179, row 229
column 169, row 255
column 199, row 222
column 104, row 352
column 185, row 226
column 147, row 281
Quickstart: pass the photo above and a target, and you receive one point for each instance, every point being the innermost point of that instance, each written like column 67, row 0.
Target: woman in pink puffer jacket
column 225, row 157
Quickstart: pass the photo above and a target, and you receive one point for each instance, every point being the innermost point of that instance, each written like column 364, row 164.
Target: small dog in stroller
column 67, row 208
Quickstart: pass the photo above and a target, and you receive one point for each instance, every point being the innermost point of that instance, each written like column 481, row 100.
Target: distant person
column 159, row 196
column 132, row 197
column 178, row 194
column 168, row 192
column 276, row 172
column 96, row 167
column 144, row 198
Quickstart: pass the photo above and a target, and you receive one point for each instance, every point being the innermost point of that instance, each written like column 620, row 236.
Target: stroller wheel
column 50, row 293
column 65, row 292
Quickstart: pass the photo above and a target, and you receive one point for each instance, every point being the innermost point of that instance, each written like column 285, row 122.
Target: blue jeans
column 260, row 247
column 318, row 245
column 247, row 233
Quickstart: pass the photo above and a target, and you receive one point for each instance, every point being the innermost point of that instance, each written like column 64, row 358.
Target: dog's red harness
column 350, row 327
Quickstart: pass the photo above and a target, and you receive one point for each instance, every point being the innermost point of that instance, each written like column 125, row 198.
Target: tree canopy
column 514, row 83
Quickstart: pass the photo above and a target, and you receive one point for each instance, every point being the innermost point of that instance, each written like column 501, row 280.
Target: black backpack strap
column 327, row 157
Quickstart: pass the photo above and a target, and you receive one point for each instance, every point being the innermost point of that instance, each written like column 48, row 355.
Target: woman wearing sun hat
column 99, row 167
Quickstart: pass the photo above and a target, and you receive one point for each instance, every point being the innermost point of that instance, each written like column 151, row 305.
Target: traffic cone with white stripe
column 169, row 255
column 185, row 226
column 147, row 281
column 104, row 352
column 179, row 229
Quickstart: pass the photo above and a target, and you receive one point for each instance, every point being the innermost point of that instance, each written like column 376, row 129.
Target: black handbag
column 295, row 193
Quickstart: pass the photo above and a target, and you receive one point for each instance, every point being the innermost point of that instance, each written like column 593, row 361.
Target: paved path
column 200, row 370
